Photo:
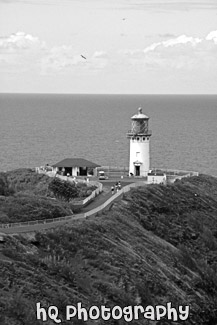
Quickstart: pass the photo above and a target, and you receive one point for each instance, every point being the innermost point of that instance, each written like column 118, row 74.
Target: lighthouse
column 139, row 136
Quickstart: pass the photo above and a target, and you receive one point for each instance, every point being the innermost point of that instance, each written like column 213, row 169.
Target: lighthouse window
column 143, row 139
column 137, row 139
column 147, row 138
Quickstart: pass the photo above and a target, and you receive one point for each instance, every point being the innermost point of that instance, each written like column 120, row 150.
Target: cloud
column 61, row 57
column 167, row 35
column 27, row 51
column 20, row 52
column 173, row 5
column 180, row 40
column 212, row 36
column 65, row 58
column 19, row 41
column 100, row 54
column 182, row 52
column 183, row 39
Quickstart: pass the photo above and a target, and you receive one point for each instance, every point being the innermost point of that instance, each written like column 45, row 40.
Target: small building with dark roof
column 75, row 167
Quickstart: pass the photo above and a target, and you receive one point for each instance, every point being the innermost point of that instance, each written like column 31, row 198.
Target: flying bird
column 83, row 57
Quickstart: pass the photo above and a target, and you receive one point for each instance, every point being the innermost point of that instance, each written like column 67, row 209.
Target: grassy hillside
column 25, row 196
column 157, row 245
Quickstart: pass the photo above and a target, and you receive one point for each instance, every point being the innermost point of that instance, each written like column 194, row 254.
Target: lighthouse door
column 137, row 170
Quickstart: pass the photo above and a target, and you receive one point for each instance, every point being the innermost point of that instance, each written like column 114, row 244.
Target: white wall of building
column 75, row 171
column 140, row 153
column 156, row 179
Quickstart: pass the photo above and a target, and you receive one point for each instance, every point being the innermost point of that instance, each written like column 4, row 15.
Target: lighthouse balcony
column 132, row 133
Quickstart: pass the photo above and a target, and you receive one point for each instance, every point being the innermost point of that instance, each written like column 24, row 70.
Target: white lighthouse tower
column 139, row 145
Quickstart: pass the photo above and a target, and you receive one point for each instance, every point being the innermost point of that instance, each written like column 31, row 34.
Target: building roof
column 75, row 162
column 140, row 115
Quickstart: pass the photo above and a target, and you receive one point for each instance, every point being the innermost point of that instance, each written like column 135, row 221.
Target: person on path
column 112, row 189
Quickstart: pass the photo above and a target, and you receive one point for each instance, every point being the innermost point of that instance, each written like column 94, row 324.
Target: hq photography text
column 128, row 313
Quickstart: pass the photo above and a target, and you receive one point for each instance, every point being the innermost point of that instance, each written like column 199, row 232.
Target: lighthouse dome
column 139, row 115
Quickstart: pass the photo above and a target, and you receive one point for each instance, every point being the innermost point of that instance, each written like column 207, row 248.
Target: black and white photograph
column 108, row 162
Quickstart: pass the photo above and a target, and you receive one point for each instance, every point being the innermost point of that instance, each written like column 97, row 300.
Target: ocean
column 36, row 129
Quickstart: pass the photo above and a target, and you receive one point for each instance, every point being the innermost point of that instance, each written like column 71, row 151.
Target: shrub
column 29, row 208
column 62, row 189
column 5, row 188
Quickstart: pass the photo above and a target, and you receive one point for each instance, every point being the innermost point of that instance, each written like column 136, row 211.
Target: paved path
column 100, row 199
column 104, row 196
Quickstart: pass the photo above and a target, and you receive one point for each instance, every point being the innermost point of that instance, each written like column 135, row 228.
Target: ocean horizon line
column 103, row 94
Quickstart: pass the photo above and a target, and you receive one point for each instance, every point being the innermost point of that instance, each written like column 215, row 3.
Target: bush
column 67, row 191
column 29, row 208
column 24, row 180
column 5, row 188
column 63, row 190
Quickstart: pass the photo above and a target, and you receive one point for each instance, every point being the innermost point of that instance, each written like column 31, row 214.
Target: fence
column 120, row 170
column 34, row 222
column 83, row 203
column 114, row 171
column 176, row 172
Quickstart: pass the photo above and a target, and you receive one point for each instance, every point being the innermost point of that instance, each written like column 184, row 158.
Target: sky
column 113, row 46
